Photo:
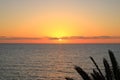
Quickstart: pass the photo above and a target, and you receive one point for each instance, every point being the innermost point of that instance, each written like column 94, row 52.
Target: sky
column 59, row 21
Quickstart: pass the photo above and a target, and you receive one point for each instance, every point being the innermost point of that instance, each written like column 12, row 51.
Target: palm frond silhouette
column 112, row 72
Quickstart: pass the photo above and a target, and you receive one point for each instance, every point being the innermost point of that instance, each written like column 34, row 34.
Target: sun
column 59, row 39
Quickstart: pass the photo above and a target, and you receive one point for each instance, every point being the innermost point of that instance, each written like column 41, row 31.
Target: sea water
column 51, row 61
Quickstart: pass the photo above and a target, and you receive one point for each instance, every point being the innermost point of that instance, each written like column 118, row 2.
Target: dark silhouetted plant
column 84, row 75
column 68, row 78
column 111, row 73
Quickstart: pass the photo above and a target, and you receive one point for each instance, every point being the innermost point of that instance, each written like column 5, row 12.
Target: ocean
column 51, row 61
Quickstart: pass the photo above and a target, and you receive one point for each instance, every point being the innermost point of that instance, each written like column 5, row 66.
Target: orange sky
column 50, row 20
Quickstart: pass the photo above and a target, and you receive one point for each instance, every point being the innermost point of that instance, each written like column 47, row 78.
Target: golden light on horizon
column 60, row 39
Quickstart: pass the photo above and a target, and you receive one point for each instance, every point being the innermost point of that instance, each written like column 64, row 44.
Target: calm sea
column 50, row 61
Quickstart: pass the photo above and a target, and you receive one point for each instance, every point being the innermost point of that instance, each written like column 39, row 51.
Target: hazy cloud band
column 55, row 38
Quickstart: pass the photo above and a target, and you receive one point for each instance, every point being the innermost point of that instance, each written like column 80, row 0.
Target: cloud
column 86, row 37
column 52, row 38
column 94, row 37
column 18, row 38
column 55, row 38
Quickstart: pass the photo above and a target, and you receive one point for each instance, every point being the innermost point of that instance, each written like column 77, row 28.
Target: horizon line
column 59, row 43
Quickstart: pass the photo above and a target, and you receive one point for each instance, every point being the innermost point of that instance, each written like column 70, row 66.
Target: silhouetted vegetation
column 112, row 72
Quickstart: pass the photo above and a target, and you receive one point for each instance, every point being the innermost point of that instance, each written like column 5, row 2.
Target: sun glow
column 59, row 34
column 58, row 27
column 60, row 39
